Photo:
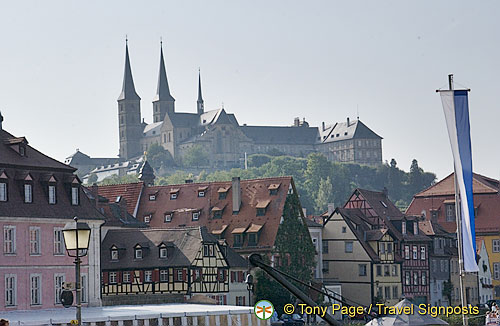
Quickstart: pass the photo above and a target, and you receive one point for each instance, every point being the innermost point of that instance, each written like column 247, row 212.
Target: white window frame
column 407, row 252
column 35, row 242
column 9, row 239
column 28, row 193
column 3, row 191
column 168, row 218
column 348, row 244
column 495, row 244
column 114, row 254
column 163, row 252
column 423, row 253
column 496, row 271
column 10, row 291
column 75, row 200
column 36, row 292
column 450, row 212
column 113, row 277
column 415, row 252
column 126, row 277
column 58, row 286
column 403, row 227
column 196, row 216
column 147, row 219
column 138, row 253
column 180, row 275
column 148, row 276
column 201, row 193
column 58, row 243
column 163, row 275
column 52, row 194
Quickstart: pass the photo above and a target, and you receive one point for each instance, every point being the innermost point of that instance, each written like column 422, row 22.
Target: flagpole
column 458, row 216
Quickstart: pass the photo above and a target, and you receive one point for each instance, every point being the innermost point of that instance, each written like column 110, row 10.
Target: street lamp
column 76, row 239
column 249, row 282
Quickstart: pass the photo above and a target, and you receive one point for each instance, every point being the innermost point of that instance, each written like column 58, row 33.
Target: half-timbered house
column 168, row 265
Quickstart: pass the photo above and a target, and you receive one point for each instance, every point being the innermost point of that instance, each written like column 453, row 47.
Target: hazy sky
column 61, row 68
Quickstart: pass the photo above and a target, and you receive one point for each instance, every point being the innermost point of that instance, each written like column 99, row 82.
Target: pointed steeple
column 162, row 89
column 199, row 104
column 128, row 89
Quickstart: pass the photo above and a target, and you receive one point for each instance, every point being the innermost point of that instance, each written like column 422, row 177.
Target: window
column 407, row 278
column 173, row 196
column 34, row 240
column 387, row 290
column 208, row 250
column 147, row 219
column 35, row 289
column 415, row 278
column 415, row 227
column 325, row 246
column 407, row 252
column 434, row 214
column 217, row 214
column 415, row 252
column 84, row 288
column 180, row 275
column 52, row 195
column 450, row 212
column 10, row 290
column 74, row 196
column 58, row 286
column 379, row 270
column 348, row 246
column 386, row 271
column 261, row 211
column 114, row 254
column 201, row 193
column 273, row 192
column 496, row 271
column 126, row 277
column 403, row 227
column 112, row 277
column 326, row 266
column 58, row 242
column 168, row 217
column 152, row 197
column 148, row 276
column 422, row 253
column 28, row 193
column 196, row 216
column 424, row 278
column 238, row 240
column 362, row 269
column 394, row 270
column 138, row 253
column 496, row 245
column 395, row 292
column 222, row 195
column 3, row 191
column 252, row 239
column 389, row 248
column 382, row 247
column 9, row 239
column 163, row 252
column 163, row 275
column 344, row 229
column 222, row 275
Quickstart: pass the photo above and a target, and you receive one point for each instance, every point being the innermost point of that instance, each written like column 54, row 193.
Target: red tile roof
column 131, row 192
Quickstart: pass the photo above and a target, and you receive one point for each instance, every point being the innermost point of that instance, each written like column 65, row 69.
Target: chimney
column 236, row 195
column 296, row 122
column 331, row 208
column 348, row 121
column 323, row 126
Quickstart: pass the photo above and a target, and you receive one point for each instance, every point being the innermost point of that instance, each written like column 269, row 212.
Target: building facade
column 485, row 284
column 223, row 138
column 38, row 196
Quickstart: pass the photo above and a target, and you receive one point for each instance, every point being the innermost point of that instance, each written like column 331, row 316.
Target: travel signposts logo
column 263, row 309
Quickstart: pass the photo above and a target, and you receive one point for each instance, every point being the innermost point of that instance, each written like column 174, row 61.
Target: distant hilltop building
column 223, row 138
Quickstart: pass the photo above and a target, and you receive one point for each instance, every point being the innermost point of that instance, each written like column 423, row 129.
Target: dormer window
column 174, row 193
column 202, row 191
column 147, row 219
column 196, row 215
column 138, row 252
column 152, row 197
column 208, row 250
column 22, row 150
column 273, row 189
column 75, row 200
column 28, row 193
column 217, row 212
column 114, row 253
column 222, row 191
column 262, row 207
column 415, row 227
column 201, row 194
column 403, row 227
column 168, row 217
column 52, row 194
column 163, row 251
column 3, row 191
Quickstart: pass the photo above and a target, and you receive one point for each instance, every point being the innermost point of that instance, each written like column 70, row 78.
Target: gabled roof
column 382, row 205
column 32, row 158
column 480, row 185
column 347, row 130
column 131, row 192
column 183, row 119
column 152, row 129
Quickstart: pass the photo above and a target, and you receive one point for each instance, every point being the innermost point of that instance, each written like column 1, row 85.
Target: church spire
column 162, row 89
column 128, row 89
column 199, row 103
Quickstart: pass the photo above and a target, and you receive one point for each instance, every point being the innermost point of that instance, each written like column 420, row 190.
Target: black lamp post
column 249, row 282
column 76, row 239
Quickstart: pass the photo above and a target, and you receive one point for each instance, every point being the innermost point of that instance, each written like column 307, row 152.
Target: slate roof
column 301, row 135
column 152, row 129
column 162, row 88
column 187, row 202
column 342, row 131
column 183, row 120
column 128, row 88
column 183, row 244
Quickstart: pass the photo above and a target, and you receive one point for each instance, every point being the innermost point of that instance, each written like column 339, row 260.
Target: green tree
column 158, row 156
column 317, row 168
column 325, row 195
column 195, row 156
column 294, row 246
column 257, row 160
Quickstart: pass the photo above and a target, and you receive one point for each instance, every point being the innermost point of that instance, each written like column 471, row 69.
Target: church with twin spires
column 223, row 138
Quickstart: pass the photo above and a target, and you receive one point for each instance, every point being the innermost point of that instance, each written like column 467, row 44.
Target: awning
column 238, row 230
column 263, row 204
column 174, row 190
column 202, row 188
column 274, row 186
column 254, row 228
column 216, row 209
column 223, row 189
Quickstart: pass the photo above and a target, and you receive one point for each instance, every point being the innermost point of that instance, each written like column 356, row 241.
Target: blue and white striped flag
column 456, row 111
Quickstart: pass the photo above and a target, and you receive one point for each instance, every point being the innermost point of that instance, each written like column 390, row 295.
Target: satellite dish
column 67, row 298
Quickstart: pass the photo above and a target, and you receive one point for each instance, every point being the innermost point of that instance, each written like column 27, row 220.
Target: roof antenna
column 161, row 41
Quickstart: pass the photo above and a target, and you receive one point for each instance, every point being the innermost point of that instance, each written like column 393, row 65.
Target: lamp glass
column 69, row 234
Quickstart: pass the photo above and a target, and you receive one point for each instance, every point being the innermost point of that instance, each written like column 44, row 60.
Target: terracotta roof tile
column 131, row 192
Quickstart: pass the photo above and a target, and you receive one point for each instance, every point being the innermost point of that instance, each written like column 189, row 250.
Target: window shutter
column 156, row 275
column 233, row 276
column 184, row 275
column 244, row 300
column 141, row 276
column 225, row 298
column 119, row 277
column 193, row 275
column 105, row 277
